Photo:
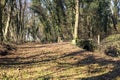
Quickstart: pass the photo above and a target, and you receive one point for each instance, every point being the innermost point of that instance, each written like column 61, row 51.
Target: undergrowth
column 111, row 45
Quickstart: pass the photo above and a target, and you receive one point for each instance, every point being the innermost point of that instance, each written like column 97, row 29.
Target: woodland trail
column 58, row 61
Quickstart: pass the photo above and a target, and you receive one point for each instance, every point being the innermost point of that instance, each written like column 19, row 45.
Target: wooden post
column 98, row 39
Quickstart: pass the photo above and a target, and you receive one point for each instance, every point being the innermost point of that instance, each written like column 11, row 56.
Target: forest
column 59, row 39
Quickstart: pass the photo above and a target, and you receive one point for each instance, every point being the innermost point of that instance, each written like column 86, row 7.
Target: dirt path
column 58, row 61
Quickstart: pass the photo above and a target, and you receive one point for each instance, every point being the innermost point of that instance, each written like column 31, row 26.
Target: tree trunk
column 6, row 27
column 75, row 35
column 1, row 34
column 7, row 24
column 2, row 4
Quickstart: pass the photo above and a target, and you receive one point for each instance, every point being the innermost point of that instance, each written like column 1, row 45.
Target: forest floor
column 57, row 61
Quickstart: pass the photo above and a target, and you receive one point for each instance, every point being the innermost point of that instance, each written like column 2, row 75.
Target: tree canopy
column 49, row 20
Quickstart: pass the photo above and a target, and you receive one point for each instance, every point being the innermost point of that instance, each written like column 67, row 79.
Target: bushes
column 112, row 38
column 111, row 45
column 111, row 48
column 87, row 44
column 112, row 51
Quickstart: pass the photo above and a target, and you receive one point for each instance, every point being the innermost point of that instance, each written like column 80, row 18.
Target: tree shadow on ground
column 6, row 60
column 111, row 75
column 40, row 46
column 89, row 59
column 108, row 76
